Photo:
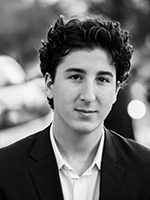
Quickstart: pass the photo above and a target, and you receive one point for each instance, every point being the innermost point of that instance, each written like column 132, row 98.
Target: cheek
column 108, row 98
column 63, row 94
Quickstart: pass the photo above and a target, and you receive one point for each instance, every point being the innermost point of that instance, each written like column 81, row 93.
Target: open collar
column 61, row 162
column 45, row 171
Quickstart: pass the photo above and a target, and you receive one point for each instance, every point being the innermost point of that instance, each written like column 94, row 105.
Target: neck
column 74, row 142
column 77, row 149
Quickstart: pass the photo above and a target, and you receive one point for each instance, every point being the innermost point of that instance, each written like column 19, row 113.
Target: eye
column 76, row 77
column 102, row 80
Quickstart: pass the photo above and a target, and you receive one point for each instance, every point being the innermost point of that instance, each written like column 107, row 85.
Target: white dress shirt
column 74, row 187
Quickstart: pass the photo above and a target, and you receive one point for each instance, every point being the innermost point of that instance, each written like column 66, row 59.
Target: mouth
column 86, row 112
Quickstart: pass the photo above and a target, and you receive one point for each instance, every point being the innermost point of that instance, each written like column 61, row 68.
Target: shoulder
column 131, row 148
column 18, row 158
column 19, row 150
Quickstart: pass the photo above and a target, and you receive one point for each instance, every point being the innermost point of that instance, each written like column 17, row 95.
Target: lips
column 84, row 111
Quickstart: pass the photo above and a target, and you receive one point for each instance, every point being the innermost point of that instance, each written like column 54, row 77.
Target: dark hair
column 92, row 31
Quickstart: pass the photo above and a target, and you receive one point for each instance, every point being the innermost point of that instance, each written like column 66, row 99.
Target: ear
column 116, row 94
column 48, row 85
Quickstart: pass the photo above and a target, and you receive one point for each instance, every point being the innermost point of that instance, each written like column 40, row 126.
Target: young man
column 85, row 62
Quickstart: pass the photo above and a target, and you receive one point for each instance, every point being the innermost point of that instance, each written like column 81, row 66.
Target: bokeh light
column 136, row 109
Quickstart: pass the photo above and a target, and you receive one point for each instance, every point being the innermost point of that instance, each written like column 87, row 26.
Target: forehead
column 90, row 60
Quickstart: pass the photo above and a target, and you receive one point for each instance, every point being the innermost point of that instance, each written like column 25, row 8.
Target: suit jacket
column 28, row 170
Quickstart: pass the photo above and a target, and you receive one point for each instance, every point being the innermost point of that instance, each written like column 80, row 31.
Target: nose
column 88, row 92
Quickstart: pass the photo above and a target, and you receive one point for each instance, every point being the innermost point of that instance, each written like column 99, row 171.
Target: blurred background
column 23, row 104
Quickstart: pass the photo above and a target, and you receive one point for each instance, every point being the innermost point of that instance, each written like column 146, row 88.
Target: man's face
column 84, row 90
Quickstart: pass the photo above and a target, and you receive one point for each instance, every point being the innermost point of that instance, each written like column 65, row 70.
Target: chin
column 85, row 128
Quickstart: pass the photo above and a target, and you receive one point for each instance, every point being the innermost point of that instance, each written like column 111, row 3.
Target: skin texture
column 84, row 91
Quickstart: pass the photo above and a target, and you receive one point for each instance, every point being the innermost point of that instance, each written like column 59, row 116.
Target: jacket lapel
column 112, row 172
column 45, row 171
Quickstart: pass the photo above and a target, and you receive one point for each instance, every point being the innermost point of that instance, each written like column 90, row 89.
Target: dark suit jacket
column 28, row 170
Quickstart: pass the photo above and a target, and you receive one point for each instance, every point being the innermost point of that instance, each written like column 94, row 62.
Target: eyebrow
column 83, row 71
column 79, row 70
column 108, row 73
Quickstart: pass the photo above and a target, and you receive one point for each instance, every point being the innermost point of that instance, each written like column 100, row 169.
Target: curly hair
column 87, row 32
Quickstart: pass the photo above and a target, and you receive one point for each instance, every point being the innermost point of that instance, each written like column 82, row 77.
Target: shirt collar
column 59, row 158
column 61, row 162
column 98, row 157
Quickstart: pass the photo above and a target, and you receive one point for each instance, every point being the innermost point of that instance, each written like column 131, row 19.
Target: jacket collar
column 112, row 172
column 45, row 172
